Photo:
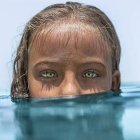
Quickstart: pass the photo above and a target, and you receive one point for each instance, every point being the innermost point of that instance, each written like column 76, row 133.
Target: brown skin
column 70, row 60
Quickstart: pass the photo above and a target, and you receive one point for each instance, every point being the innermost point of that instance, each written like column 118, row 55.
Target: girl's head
column 67, row 49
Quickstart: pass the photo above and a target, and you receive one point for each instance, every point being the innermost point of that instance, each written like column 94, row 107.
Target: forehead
column 70, row 40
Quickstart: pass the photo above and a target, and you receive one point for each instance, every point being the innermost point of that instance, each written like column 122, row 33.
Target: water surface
column 106, row 116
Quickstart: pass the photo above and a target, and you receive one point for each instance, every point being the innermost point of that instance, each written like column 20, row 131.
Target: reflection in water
column 89, row 117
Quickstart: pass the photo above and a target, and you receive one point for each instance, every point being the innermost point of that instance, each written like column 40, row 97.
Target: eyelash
column 48, row 74
column 90, row 74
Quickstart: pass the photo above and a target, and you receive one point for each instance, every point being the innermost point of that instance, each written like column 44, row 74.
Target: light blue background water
column 125, row 16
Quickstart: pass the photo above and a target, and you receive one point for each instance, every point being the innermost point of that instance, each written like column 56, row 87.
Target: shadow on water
column 88, row 117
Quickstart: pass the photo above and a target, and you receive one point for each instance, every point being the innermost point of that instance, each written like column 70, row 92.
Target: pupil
column 89, row 74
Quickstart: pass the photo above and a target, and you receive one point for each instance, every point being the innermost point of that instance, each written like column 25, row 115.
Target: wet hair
column 68, row 12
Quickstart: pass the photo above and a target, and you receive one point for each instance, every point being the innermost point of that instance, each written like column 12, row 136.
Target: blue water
column 90, row 117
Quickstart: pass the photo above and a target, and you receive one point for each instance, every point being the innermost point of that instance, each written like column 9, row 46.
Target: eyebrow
column 57, row 62
column 94, row 63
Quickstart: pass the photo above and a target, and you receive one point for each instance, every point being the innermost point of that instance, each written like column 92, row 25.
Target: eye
column 90, row 74
column 48, row 74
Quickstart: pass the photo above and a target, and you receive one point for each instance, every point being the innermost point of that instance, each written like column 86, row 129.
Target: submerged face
column 69, row 60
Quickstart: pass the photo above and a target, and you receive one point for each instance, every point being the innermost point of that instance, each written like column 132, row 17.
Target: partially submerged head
column 67, row 49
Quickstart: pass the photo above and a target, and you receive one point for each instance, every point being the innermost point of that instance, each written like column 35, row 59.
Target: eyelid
column 91, row 70
column 48, row 70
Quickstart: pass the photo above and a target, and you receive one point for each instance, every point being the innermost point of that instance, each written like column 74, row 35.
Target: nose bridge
column 70, row 84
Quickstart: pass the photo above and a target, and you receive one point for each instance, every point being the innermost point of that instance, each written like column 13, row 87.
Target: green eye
column 90, row 74
column 48, row 74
